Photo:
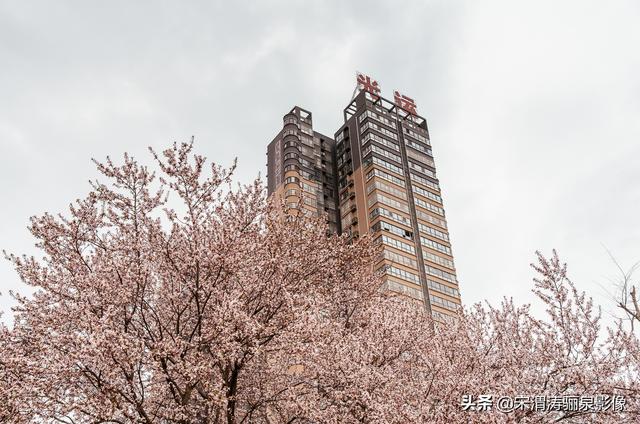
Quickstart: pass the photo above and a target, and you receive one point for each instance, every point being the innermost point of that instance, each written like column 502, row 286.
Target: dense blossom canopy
column 224, row 309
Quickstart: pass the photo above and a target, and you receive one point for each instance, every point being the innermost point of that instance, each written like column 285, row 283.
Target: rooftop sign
column 368, row 84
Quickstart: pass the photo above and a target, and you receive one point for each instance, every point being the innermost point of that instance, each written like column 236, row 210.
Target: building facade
column 385, row 183
column 301, row 168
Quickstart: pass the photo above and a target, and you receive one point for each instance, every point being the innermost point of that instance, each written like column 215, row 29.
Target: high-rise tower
column 301, row 167
column 387, row 185
column 378, row 176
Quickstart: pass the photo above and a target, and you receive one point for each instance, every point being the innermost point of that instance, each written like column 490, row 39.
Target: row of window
column 432, row 219
column 310, row 188
column 384, row 175
column 308, row 151
column 306, row 129
column 400, row 259
column 428, row 206
column 381, row 198
column 416, row 135
column 417, row 146
column 424, row 181
column 420, row 168
column 346, row 208
column 383, row 163
column 406, row 247
column 306, row 140
column 289, row 132
column 426, row 193
column 403, row 289
column 307, row 175
column 437, row 259
column 435, row 245
column 292, row 180
column 290, row 143
column 385, row 226
column 402, row 274
column 381, row 151
column 381, row 118
column 379, row 211
column 307, row 163
column 378, row 139
column 441, row 274
column 433, row 232
column 442, row 317
column 378, row 128
column 444, row 303
column 442, row 288
column 420, row 157
column 388, row 188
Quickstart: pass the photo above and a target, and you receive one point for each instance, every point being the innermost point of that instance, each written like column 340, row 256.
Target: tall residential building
column 301, row 167
column 385, row 184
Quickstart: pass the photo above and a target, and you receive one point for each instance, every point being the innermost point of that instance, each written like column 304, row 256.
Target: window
column 292, row 180
column 378, row 117
column 432, row 219
column 420, row 157
column 379, row 197
column 381, row 140
column 441, row 274
column 426, row 193
column 401, row 273
column 290, row 132
column 435, row 245
column 403, row 289
column 417, row 146
column 397, row 244
column 385, row 226
column 309, row 188
column 422, row 169
column 377, row 161
column 413, row 133
column 388, row 188
column 424, row 181
column 428, row 206
column 392, row 215
column 386, row 176
column 433, row 232
column 444, row 303
column 400, row 259
column 310, row 201
column 437, row 259
column 379, row 128
column 380, row 151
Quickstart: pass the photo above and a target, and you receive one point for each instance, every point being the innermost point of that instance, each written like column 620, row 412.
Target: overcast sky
column 533, row 109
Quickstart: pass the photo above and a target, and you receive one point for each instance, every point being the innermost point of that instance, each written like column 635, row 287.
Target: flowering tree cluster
column 225, row 309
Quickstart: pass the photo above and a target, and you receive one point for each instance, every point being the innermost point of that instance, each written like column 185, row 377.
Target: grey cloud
column 532, row 109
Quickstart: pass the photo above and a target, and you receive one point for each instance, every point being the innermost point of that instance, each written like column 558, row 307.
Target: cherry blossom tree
column 180, row 298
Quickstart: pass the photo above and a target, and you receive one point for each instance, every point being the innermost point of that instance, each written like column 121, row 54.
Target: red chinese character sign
column 366, row 83
column 405, row 102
